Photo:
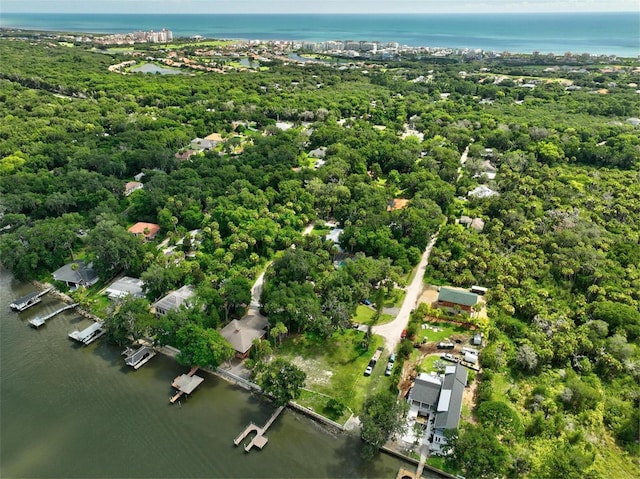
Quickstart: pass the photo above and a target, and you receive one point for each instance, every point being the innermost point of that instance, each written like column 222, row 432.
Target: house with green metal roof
column 456, row 300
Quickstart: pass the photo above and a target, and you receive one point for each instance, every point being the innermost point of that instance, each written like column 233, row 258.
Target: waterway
column 72, row 411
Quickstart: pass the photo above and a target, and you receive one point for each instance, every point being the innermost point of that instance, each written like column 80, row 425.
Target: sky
column 316, row 6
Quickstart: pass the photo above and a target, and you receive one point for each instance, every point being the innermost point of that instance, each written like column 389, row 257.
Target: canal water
column 78, row 412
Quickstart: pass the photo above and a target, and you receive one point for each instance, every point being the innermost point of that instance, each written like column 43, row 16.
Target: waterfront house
column 425, row 392
column 456, row 300
column 75, row 274
column 449, row 406
column 438, row 398
column 125, row 286
column 241, row 333
column 146, row 230
column 174, row 300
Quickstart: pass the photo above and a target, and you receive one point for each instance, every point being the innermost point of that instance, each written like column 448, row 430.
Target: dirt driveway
column 391, row 331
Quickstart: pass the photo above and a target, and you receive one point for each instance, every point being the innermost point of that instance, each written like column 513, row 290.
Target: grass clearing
column 440, row 331
column 364, row 314
column 335, row 368
column 427, row 364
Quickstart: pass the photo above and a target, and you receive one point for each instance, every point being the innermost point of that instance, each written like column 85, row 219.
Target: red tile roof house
column 148, row 230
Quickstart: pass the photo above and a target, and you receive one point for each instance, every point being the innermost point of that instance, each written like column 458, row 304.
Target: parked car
column 392, row 358
column 403, row 334
column 443, row 345
column 367, row 302
column 387, row 371
column 449, row 357
column 368, row 371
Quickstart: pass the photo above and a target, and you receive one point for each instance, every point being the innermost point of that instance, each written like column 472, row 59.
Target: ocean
column 594, row 33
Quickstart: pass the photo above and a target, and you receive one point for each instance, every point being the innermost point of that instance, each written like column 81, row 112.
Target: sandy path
column 391, row 331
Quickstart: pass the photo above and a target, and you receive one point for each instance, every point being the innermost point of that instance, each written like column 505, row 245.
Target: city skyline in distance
column 316, row 6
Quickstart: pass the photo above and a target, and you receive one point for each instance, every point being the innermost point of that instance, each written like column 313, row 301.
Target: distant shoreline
column 598, row 34
column 191, row 40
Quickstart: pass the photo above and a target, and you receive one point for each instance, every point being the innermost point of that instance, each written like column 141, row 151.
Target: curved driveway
column 391, row 331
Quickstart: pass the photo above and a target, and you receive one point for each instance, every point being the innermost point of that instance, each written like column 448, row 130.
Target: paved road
column 391, row 331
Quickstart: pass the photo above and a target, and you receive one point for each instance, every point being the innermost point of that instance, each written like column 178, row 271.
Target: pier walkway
column 40, row 320
column 259, row 440
column 25, row 302
column 185, row 384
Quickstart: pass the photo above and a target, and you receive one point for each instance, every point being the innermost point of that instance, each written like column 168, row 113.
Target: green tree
column 278, row 331
column 202, row 347
column 113, row 248
column 500, row 416
column 477, row 451
column 282, row 380
column 130, row 321
column 380, row 418
column 235, row 292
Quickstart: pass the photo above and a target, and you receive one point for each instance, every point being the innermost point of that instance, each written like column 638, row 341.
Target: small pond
column 153, row 68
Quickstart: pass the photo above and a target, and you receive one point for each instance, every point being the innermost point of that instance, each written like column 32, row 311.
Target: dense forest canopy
column 376, row 153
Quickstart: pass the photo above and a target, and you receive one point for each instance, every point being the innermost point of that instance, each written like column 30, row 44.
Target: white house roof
column 125, row 286
column 175, row 299
column 483, row 191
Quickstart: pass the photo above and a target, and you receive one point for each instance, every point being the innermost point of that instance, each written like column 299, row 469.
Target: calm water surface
column 153, row 68
column 71, row 411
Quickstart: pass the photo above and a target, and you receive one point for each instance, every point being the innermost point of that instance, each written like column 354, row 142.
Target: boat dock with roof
column 185, row 384
column 259, row 440
column 138, row 357
column 25, row 302
column 88, row 335
column 40, row 320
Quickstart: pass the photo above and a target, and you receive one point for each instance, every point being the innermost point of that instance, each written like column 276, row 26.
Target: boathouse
column 27, row 300
column 138, row 357
column 88, row 335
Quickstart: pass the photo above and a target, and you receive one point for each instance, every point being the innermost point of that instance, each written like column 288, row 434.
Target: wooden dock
column 185, row 384
column 25, row 302
column 88, row 335
column 40, row 320
column 259, row 440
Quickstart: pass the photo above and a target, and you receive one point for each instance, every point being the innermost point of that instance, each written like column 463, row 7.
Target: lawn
column 436, row 332
column 365, row 314
column 427, row 363
column 335, row 369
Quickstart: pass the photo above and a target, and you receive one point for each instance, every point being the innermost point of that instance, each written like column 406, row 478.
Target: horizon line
column 406, row 12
